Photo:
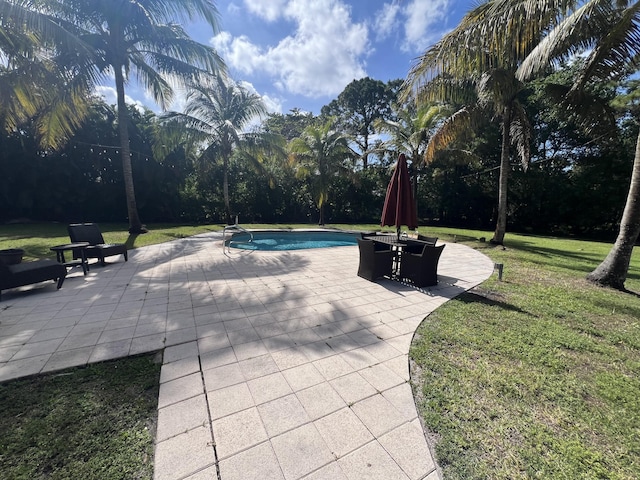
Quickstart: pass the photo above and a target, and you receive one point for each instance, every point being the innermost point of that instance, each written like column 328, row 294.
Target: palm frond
column 574, row 34
column 448, row 132
column 618, row 48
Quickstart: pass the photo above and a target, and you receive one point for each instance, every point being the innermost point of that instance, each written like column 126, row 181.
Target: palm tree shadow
column 131, row 240
column 491, row 299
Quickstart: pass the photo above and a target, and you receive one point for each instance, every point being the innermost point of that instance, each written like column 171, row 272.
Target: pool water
column 275, row 241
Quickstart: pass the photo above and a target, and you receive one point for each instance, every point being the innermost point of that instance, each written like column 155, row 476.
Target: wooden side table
column 60, row 249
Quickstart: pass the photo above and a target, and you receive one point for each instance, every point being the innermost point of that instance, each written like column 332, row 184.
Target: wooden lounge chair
column 421, row 269
column 26, row 273
column 90, row 232
column 375, row 260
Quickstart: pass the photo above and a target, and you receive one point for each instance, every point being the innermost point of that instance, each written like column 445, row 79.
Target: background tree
column 290, row 125
column 216, row 116
column 449, row 72
column 409, row 133
column 321, row 155
column 357, row 108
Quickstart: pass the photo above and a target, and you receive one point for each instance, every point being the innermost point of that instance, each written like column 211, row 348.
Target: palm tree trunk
column 225, row 189
column 135, row 225
column 612, row 272
column 501, row 224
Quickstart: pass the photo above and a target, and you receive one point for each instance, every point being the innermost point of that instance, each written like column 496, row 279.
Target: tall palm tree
column 447, row 72
column 609, row 31
column 478, row 59
column 140, row 39
column 217, row 116
column 321, row 154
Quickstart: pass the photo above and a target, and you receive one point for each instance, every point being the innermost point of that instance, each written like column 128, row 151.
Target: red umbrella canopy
column 399, row 208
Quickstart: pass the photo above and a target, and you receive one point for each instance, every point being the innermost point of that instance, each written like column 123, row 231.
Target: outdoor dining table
column 397, row 245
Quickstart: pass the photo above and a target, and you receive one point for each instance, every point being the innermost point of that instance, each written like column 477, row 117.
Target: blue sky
column 302, row 53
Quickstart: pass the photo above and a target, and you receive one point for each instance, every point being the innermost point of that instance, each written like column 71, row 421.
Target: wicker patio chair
column 375, row 260
column 430, row 240
column 421, row 269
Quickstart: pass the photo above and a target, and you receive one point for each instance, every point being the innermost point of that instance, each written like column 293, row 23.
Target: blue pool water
column 292, row 240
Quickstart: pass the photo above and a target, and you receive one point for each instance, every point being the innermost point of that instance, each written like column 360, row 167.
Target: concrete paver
column 276, row 364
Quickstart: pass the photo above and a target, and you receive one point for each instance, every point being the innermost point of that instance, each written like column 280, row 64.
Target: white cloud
column 386, row 20
column 274, row 105
column 423, row 20
column 270, row 10
column 320, row 57
column 110, row 97
column 239, row 52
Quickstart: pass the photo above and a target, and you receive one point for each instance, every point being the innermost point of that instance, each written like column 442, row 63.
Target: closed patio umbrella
column 399, row 207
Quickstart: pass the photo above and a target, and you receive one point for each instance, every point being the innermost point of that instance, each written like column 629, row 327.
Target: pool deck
column 276, row 365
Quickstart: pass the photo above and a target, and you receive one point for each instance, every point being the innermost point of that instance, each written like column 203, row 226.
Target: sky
column 303, row 53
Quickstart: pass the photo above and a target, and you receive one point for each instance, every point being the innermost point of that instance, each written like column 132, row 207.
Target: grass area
column 95, row 422
column 537, row 376
column 37, row 238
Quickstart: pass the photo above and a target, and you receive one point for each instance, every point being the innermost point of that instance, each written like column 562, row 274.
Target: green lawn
column 91, row 423
column 535, row 376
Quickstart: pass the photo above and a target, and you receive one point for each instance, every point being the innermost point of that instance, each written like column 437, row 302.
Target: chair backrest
column 431, row 240
column 85, row 232
column 365, row 245
column 431, row 252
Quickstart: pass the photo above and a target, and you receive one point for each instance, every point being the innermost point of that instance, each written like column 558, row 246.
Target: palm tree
column 411, row 131
column 474, row 66
column 321, row 154
column 140, row 39
column 216, row 116
column 35, row 83
column 610, row 34
column 452, row 72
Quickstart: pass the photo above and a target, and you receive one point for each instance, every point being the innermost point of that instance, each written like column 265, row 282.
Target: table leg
column 396, row 262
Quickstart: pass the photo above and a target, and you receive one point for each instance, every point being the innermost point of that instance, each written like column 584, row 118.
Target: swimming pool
column 296, row 240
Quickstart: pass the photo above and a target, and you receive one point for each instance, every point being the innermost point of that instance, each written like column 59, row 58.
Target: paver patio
column 277, row 365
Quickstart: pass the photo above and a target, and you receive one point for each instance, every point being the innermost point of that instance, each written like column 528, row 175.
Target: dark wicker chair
column 416, row 246
column 375, row 260
column 421, row 269
column 90, row 232
column 20, row 274
column 430, row 240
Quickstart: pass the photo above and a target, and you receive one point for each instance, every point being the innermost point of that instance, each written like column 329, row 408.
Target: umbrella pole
column 398, row 232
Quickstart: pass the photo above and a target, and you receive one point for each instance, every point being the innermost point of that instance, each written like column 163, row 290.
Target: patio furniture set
column 414, row 261
column 86, row 242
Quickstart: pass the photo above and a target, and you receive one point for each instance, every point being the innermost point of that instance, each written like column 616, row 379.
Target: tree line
column 488, row 110
column 572, row 185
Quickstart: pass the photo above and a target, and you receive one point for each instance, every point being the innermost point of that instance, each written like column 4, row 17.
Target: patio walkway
column 277, row 365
